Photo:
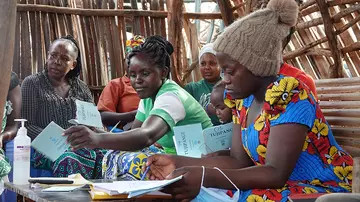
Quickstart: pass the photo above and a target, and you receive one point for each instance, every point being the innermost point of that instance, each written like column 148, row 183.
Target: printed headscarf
column 135, row 41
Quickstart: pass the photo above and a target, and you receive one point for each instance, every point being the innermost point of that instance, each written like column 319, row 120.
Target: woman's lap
column 87, row 162
column 126, row 165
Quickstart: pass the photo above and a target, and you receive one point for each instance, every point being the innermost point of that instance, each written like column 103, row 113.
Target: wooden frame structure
column 324, row 45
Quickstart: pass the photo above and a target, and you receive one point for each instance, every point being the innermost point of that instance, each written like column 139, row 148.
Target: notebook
column 191, row 140
column 133, row 188
column 87, row 114
column 50, row 142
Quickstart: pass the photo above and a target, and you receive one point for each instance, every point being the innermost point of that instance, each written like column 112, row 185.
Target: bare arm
column 136, row 124
column 151, row 130
column 112, row 118
column 283, row 150
column 12, row 126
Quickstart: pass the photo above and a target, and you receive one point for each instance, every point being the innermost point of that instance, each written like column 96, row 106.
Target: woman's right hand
column 161, row 165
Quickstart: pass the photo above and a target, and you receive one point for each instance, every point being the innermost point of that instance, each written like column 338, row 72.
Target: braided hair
column 76, row 71
column 158, row 49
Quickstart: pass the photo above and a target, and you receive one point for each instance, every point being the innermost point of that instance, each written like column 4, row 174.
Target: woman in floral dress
column 282, row 144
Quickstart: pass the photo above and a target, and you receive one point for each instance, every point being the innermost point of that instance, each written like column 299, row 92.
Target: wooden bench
column 340, row 103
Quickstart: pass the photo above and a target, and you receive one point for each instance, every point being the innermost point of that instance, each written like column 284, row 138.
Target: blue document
column 192, row 141
column 50, row 142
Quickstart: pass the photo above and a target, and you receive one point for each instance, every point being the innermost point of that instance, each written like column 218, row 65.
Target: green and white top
column 176, row 107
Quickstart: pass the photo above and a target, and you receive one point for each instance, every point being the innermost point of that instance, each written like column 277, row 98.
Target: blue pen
column 144, row 174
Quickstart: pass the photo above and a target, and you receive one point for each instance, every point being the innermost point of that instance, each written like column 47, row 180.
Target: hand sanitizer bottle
column 21, row 165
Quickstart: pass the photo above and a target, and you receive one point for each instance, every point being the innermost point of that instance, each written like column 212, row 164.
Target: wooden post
column 356, row 176
column 226, row 11
column 335, row 71
column 175, row 19
column 7, row 38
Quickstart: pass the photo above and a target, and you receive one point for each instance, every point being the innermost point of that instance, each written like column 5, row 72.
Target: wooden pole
column 7, row 38
column 336, row 69
column 356, row 176
column 175, row 19
column 226, row 11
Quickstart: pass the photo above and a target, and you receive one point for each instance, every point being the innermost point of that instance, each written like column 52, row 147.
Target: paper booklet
column 133, row 188
column 87, row 114
column 50, row 142
column 192, row 141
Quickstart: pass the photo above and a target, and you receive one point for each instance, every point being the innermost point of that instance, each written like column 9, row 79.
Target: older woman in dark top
column 50, row 96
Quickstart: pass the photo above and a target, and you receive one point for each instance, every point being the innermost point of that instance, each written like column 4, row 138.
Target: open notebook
column 132, row 188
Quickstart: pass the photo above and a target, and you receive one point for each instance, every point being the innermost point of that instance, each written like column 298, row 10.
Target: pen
column 115, row 126
column 144, row 174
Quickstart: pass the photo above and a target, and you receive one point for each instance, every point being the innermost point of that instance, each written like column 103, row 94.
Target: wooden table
column 25, row 193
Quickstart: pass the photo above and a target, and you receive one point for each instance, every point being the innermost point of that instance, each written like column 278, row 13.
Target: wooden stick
column 302, row 50
column 90, row 12
column 356, row 176
column 346, row 12
column 341, row 2
column 307, row 4
column 336, row 69
column 309, row 10
column 7, row 38
column 226, row 11
column 175, row 16
column 350, row 48
column 111, row 13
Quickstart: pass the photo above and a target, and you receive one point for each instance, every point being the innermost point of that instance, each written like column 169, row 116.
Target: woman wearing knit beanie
column 282, row 144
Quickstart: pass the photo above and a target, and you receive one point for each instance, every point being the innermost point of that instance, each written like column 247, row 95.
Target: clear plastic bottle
column 21, row 166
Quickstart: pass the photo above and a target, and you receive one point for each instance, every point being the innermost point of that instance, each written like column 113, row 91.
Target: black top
column 41, row 104
column 14, row 81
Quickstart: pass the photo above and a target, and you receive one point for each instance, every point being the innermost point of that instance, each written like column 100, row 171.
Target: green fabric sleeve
column 164, row 115
column 140, row 116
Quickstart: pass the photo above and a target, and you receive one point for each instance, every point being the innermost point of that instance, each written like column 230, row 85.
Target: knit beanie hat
column 255, row 41
column 207, row 48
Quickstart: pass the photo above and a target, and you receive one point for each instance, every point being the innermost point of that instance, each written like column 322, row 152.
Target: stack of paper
column 132, row 188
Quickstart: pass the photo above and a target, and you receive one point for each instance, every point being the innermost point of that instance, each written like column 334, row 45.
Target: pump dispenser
column 21, row 166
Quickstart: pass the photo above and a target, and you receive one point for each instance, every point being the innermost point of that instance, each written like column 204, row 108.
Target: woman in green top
column 163, row 105
column 210, row 72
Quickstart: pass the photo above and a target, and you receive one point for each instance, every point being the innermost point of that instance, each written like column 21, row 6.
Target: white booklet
column 50, row 142
column 87, row 114
column 192, row 141
column 133, row 188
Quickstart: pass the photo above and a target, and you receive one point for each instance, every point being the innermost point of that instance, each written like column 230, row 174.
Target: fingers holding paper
column 160, row 166
column 81, row 137
column 188, row 187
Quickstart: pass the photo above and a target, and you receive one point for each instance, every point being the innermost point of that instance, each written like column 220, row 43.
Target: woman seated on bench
column 163, row 105
column 282, row 144
column 50, row 96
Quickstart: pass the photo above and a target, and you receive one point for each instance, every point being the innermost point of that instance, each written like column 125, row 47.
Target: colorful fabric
column 7, row 111
column 126, row 165
column 137, row 40
column 201, row 91
column 323, row 166
column 87, row 162
column 5, row 167
column 288, row 70
column 194, row 113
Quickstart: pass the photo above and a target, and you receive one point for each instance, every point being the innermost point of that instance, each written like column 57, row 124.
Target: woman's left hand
column 81, row 137
column 188, row 187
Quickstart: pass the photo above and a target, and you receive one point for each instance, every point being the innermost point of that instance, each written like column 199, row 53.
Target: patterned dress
column 323, row 165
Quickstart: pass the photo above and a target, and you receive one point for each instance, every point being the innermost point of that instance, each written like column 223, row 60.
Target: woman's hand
column 160, row 166
column 189, row 186
column 81, row 137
